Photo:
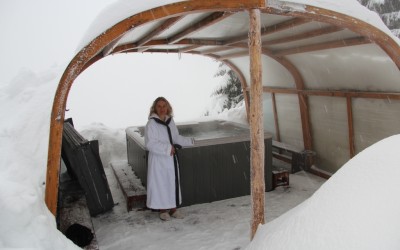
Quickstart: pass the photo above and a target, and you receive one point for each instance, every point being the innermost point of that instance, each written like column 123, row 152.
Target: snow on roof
column 117, row 12
column 348, row 7
column 122, row 9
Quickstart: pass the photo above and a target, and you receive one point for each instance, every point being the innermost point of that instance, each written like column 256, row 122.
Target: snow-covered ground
column 217, row 225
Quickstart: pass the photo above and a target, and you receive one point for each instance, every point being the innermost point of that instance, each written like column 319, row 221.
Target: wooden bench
column 298, row 158
column 130, row 184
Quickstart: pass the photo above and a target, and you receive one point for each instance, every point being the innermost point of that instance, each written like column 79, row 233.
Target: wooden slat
column 305, row 35
column 323, row 46
column 189, row 48
column 271, row 29
column 234, row 55
column 333, row 93
column 209, row 20
column 216, row 50
column 164, row 26
column 350, row 126
column 278, row 135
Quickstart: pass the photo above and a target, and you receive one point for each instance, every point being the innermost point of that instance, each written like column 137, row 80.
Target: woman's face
column 161, row 109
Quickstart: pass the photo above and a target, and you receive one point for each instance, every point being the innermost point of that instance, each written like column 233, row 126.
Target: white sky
column 38, row 35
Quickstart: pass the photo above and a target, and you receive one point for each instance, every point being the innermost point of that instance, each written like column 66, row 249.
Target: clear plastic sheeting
column 374, row 119
column 289, row 119
column 269, row 124
column 329, row 125
column 273, row 74
column 351, row 68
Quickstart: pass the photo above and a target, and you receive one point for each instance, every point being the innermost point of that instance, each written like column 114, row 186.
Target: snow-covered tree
column 388, row 10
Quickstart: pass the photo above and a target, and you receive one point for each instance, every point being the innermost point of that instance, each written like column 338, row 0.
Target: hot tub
column 217, row 167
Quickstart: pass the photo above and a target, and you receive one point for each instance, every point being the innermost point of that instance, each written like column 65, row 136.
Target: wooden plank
column 350, row 126
column 275, row 112
column 323, row 46
column 209, row 20
column 164, row 26
column 286, row 147
column 271, row 29
column 131, row 186
column 305, row 35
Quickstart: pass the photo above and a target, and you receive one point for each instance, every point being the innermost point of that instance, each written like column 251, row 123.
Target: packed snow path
column 217, row 225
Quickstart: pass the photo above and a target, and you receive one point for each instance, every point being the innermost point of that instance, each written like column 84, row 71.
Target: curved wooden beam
column 79, row 62
column 90, row 54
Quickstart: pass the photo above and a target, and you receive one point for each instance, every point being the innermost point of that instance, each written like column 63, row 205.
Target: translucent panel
column 328, row 117
column 273, row 75
column 295, row 31
column 374, row 120
column 289, row 120
column 233, row 51
column 371, row 69
column 344, row 34
column 269, row 123
column 137, row 33
column 237, row 24
column 232, row 26
column 182, row 24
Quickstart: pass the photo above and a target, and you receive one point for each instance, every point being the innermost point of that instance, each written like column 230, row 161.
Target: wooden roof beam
column 189, row 48
column 216, row 50
column 335, row 93
column 305, row 35
column 164, row 26
column 323, row 46
column 271, row 29
column 201, row 42
column 234, row 55
column 209, row 20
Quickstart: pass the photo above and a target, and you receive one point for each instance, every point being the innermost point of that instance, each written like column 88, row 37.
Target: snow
column 351, row 8
column 122, row 9
column 116, row 12
column 353, row 210
column 356, row 209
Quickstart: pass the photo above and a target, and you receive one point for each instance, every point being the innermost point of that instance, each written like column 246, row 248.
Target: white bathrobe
column 160, row 172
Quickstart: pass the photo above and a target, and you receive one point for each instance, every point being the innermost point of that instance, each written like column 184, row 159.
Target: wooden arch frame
column 93, row 52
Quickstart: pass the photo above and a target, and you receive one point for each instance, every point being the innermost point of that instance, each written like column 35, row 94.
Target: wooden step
column 131, row 186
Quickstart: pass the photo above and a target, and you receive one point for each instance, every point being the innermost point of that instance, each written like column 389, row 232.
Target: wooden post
column 256, row 123
column 350, row 125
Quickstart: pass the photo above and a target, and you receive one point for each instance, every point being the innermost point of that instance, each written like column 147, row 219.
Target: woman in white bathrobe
column 162, row 188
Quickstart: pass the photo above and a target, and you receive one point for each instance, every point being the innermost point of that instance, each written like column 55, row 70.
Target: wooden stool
column 280, row 178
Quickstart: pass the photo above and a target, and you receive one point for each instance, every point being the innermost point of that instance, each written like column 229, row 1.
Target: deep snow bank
column 358, row 208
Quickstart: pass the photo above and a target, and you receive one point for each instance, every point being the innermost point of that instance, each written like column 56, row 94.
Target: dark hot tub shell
column 217, row 167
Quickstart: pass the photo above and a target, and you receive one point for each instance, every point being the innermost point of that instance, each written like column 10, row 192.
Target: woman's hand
column 172, row 150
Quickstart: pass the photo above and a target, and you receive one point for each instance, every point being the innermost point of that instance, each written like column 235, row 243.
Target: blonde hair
column 153, row 107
